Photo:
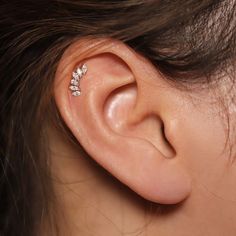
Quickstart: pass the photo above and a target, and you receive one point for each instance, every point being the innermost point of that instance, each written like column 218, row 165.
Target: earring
column 75, row 81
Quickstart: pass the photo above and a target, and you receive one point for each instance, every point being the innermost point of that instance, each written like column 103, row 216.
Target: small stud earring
column 75, row 81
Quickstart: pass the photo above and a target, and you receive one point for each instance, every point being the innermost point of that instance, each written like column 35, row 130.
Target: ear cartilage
column 77, row 75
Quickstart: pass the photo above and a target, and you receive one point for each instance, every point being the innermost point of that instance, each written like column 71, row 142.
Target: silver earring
column 75, row 81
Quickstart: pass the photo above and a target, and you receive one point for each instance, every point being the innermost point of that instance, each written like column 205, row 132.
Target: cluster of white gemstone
column 75, row 81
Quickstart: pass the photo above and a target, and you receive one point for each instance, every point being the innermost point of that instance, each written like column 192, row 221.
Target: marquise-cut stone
column 84, row 69
column 75, row 75
column 74, row 88
column 74, row 82
column 79, row 72
column 76, row 93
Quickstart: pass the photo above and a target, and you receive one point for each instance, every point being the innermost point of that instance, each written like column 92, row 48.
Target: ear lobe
column 101, row 120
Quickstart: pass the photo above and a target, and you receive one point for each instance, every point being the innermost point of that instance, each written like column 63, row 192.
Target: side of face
column 166, row 144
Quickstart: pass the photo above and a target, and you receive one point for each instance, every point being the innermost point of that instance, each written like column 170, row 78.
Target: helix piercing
column 75, row 81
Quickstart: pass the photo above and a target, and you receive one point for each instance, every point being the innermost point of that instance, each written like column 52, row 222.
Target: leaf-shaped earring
column 77, row 75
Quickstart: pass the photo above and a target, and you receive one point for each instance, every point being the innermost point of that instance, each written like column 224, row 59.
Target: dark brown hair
column 189, row 41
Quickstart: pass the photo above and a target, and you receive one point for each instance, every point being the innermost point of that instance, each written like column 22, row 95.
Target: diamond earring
column 75, row 81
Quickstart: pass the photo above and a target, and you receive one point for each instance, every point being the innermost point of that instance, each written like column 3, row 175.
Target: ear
column 117, row 118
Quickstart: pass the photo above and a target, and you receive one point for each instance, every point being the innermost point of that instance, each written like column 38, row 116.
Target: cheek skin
column 197, row 131
column 200, row 135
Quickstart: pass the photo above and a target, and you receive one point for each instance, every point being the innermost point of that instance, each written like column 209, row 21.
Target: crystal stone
column 76, row 93
column 75, row 75
column 84, row 69
column 74, row 82
column 79, row 72
column 74, row 88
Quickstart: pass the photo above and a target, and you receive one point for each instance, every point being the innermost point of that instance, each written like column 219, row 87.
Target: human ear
column 116, row 120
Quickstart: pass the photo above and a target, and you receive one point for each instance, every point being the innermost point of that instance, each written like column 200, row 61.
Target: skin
column 135, row 177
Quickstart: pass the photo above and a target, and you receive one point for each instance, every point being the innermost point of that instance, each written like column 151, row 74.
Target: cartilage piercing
column 77, row 75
